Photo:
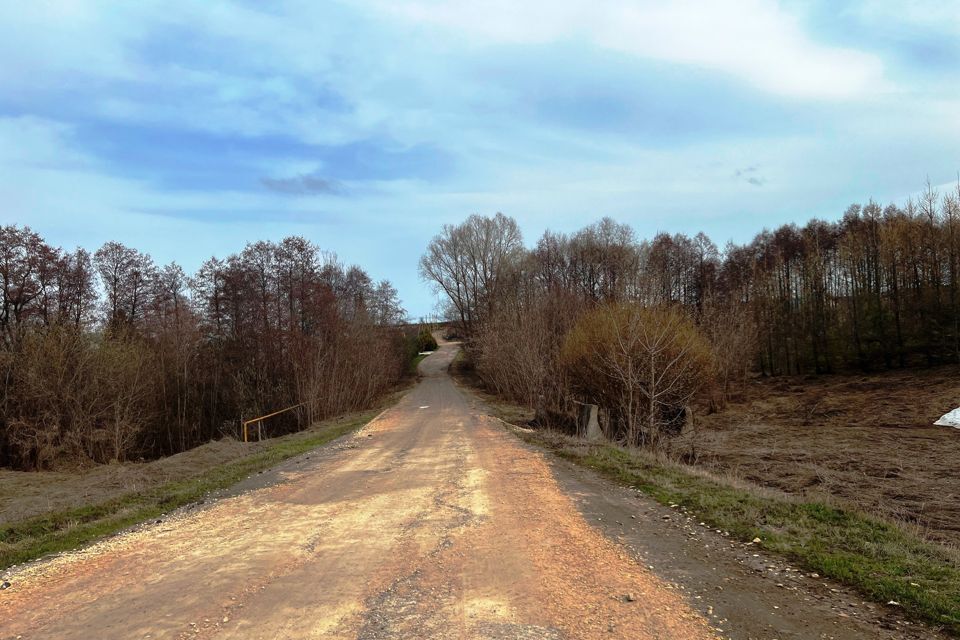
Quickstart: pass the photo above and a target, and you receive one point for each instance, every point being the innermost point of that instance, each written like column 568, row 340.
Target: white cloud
column 940, row 16
column 754, row 40
column 118, row 61
column 35, row 141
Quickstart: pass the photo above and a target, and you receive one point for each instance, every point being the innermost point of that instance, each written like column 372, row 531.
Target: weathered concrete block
column 590, row 422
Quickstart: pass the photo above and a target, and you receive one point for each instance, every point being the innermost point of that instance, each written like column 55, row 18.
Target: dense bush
column 453, row 332
column 643, row 365
column 878, row 288
column 73, row 396
column 517, row 353
column 426, row 341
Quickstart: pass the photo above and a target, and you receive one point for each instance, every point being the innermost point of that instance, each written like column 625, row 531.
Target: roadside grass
column 882, row 560
column 68, row 529
column 417, row 359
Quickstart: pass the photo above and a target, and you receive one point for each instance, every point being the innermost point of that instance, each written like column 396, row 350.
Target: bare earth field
column 865, row 440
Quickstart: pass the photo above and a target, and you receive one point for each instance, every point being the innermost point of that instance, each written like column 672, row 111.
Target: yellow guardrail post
column 259, row 421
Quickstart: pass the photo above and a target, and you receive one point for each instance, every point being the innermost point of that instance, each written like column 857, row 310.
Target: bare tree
column 273, row 325
column 470, row 264
column 729, row 327
column 126, row 275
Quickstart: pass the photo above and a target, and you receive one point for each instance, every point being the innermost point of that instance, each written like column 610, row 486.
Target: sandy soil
column 432, row 522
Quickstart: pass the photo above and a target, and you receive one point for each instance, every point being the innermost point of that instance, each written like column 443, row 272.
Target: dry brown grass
column 24, row 494
column 865, row 440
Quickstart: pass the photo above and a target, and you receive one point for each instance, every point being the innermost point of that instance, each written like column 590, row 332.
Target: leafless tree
column 126, row 275
column 174, row 358
column 470, row 263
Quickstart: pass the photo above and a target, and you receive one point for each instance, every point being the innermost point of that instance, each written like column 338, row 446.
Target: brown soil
column 865, row 440
column 431, row 522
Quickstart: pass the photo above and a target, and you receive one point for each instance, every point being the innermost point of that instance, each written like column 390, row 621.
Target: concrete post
column 589, row 422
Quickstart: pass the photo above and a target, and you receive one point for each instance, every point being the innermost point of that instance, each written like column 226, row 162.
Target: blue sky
column 187, row 129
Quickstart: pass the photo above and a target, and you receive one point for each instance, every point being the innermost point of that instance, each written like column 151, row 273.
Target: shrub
column 517, row 355
column 73, row 397
column 642, row 365
column 426, row 341
column 453, row 333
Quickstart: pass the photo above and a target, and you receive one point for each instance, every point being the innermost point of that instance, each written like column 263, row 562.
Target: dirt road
column 432, row 522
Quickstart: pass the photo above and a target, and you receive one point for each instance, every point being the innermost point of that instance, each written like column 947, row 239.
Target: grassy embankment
column 881, row 559
column 415, row 362
column 63, row 530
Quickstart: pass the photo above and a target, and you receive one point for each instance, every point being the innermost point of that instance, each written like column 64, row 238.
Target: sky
column 187, row 129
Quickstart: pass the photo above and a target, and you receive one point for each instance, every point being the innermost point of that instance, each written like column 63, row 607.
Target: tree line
column 109, row 356
column 879, row 288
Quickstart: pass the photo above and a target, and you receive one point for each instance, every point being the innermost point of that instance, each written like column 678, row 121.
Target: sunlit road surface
column 432, row 522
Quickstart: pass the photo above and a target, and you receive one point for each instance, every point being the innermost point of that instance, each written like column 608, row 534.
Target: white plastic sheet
column 951, row 419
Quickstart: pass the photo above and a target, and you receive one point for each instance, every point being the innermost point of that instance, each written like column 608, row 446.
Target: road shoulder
column 746, row 592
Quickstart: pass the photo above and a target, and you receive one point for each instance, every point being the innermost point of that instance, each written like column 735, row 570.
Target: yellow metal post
column 259, row 421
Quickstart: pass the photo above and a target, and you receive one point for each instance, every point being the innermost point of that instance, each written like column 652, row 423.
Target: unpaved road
column 432, row 522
